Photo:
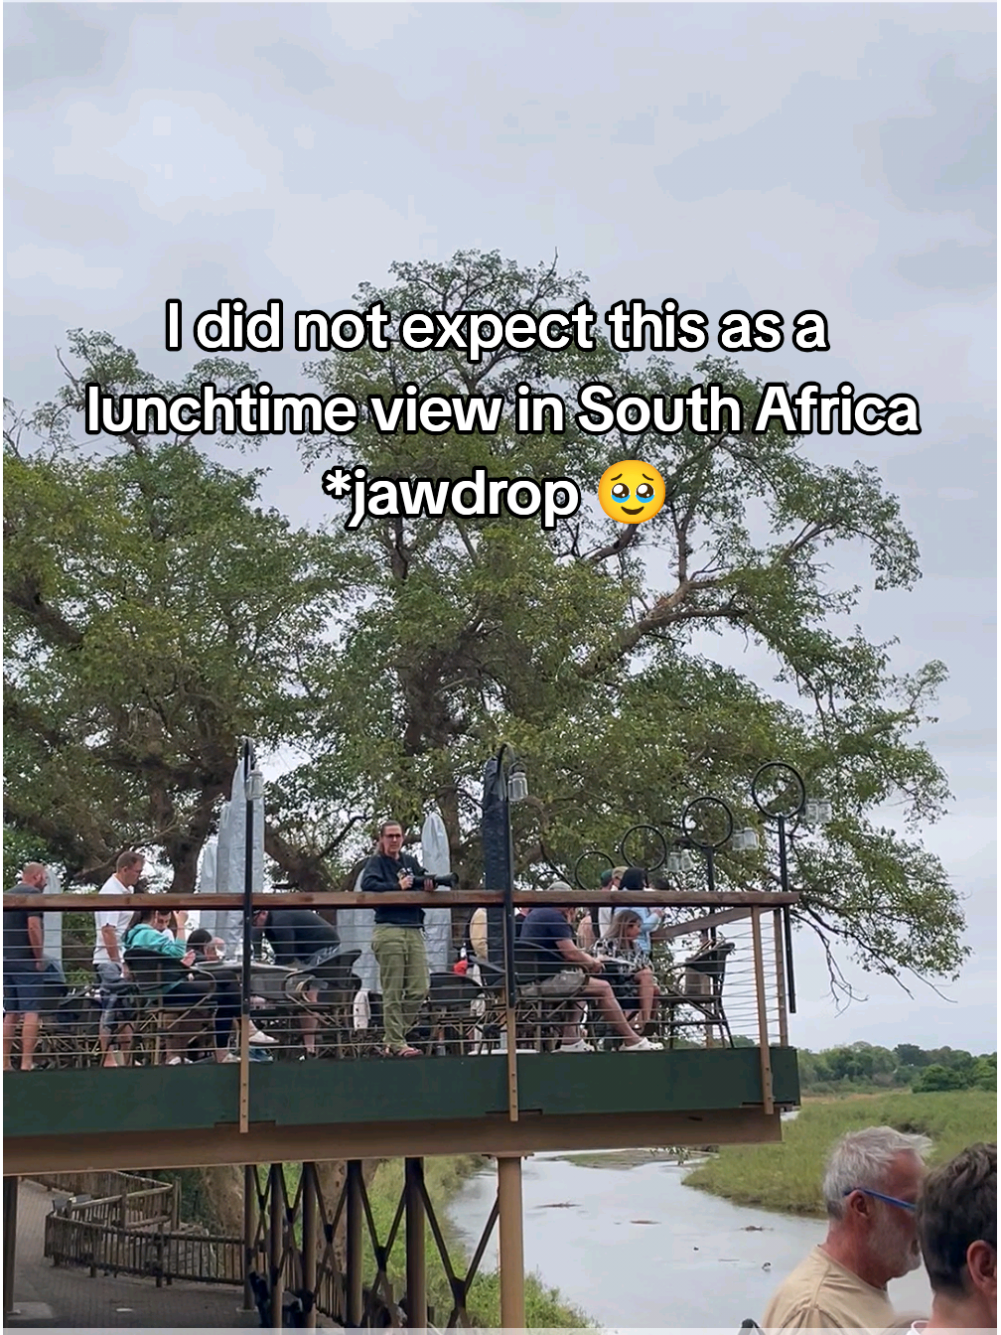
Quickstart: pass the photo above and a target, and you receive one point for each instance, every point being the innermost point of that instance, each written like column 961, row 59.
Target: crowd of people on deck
column 600, row 966
column 885, row 1213
column 886, row 1216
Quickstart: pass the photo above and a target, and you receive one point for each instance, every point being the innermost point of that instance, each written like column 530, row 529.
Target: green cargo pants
column 403, row 974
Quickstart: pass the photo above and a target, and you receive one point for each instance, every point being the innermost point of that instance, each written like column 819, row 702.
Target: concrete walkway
column 47, row 1295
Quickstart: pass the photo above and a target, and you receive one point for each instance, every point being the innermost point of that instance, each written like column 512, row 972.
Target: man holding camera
column 398, row 937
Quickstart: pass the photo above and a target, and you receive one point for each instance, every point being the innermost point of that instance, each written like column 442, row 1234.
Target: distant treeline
column 924, row 1070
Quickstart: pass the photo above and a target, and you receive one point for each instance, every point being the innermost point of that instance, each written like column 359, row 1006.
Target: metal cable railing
column 718, row 982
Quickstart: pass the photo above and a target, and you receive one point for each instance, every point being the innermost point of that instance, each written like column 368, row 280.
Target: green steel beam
column 158, row 1098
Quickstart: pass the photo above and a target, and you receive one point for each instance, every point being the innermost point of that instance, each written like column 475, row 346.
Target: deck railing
column 719, row 959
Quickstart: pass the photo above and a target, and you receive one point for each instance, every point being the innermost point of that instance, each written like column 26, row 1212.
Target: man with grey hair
column 870, row 1189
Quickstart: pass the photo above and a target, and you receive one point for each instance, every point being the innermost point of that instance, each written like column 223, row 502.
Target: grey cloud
column 51, row 44
column 951, row 266
column 45, row 214
column 639, row 131
column 302, row 71
column 804, row 145
column 945, row 161
column 700, row 109
column 940, row 162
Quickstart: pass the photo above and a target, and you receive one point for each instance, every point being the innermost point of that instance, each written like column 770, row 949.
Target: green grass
column 788, row 1176
column 443, row 1178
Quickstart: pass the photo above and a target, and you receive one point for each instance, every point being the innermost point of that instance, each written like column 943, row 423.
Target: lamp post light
column 679, row 861
column 253, row 791
column 745, row 840
column 696, row 822
column 788, row 804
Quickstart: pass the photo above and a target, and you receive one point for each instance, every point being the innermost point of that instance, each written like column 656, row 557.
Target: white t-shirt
column 119, row 919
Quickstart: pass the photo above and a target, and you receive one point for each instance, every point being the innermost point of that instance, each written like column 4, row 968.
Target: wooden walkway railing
column 153, row 1253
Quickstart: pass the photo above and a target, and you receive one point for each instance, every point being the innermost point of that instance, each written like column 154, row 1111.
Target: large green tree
column 396, row 656
column 588, row 647
column 154, row 613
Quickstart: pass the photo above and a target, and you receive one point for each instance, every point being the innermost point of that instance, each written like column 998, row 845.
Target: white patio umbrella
column 437, row 861
column 206, row 885
column 231, row 861
column 52, row 925
column 354, row 927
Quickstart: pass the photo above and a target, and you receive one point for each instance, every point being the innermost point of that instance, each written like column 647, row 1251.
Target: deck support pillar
column 354, row 1259
column 249, row 1232
column 275, row 1231
column 309, row 1199
column 10, row 1185
column 417, row 1295
column 512, row 1242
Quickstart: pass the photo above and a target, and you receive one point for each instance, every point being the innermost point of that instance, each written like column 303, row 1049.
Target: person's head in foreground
column 870, row 1192
column 871, row 1184
column 957, row 1226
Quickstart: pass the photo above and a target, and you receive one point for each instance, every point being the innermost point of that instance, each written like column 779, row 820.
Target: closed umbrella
column 52, row 927
column 231, row 860
column 354, row 927
column 206, row 885
column 436, row 860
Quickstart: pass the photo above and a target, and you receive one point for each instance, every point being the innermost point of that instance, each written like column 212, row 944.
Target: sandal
column 403, row 1052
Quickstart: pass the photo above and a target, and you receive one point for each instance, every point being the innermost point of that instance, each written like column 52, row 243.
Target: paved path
column 50, row 1295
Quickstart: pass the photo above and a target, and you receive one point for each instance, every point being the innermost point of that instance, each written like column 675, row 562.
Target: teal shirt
column 145, row 937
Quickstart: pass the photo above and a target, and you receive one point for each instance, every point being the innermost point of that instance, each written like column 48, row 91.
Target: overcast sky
column 834, row 157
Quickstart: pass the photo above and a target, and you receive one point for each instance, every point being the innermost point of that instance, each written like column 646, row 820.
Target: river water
column 625, row 1240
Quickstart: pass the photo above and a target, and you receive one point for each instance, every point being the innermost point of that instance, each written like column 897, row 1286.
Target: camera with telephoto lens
column 442, row 882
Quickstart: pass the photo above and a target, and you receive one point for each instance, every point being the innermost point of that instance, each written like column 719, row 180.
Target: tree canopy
column 156, row 611
column 154, row 614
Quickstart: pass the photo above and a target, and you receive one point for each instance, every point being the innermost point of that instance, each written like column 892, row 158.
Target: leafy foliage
column 588, row 648
column 156, row 612
column 863, row 1066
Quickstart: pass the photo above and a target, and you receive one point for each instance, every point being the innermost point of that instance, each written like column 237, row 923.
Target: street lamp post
column 693, row 818
column 789, row 805
column 253, row 790
column 698, row 815
column 504, row 782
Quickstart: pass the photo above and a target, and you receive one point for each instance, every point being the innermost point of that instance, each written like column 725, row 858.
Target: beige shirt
column 478, row 933
column 820, row 1294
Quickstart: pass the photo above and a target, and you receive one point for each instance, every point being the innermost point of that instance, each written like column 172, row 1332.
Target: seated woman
column 635, row 878
column 183, row 993
column 633, row 980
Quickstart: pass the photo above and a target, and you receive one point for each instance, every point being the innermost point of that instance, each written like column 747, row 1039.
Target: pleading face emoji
column 631, row 491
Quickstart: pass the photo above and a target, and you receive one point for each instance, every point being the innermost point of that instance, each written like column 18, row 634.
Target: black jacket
column 382, row 874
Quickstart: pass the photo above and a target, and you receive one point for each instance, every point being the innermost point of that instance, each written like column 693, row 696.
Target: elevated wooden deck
column 350, row 1105
column 57, row 1121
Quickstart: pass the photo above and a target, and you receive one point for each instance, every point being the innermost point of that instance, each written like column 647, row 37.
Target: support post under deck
column 249, row 1232
column 512, row 1243
column 275, row 1231
column 353, row 1247
column 9, row 1241
column 417, row 1297
column 309, row 1240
